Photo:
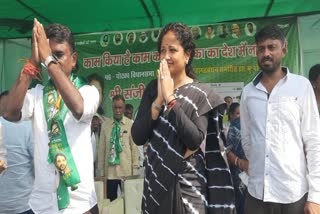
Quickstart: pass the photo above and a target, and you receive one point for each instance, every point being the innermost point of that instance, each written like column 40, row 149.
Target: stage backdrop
column 226, row 57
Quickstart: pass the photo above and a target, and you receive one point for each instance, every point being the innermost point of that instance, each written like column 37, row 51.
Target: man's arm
column 244, row 118
column 69, row 93
column 16, row 97
column 19, row 89
column 310, row 128
column 64, row 86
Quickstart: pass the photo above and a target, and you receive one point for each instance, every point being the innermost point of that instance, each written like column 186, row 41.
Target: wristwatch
column 49, row 59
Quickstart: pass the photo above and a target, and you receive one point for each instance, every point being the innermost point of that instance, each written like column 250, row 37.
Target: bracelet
column 31, row 70
column 239, row 163
column 174, row 96
column 171, row 104
column 156, row 107
column 236, row 161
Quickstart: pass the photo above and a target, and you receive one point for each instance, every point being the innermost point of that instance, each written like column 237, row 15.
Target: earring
column 187, row 61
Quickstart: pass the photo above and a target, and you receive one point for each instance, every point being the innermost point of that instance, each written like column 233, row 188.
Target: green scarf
column 115, row 147
column 59, row 150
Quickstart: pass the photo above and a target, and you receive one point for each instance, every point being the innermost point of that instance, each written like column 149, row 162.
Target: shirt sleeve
column 90, row 96
column 244, row 118
column 29, row 139
column 3, row 151
column 29, row 102
column 143, row 124
column 310, row 128
column 191, row 131
column 134, row 155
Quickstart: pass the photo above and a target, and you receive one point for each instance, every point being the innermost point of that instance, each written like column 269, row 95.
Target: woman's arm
column 143, row 124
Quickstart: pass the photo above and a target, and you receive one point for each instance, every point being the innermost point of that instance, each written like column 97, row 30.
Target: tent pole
column 268, row 8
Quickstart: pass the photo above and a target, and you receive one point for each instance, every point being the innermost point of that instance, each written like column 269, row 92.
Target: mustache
column 267, row 58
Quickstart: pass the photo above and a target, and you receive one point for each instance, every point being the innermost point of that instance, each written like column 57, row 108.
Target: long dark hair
column 184, row 36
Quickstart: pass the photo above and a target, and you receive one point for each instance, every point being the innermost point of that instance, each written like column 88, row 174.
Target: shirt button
column 267, row 156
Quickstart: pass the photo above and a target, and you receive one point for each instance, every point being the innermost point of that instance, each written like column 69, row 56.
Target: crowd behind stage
column 196, row 151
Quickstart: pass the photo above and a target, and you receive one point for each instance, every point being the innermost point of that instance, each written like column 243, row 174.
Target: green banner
column 226, row 53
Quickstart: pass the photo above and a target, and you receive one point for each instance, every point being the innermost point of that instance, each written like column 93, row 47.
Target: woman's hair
column 184, row 36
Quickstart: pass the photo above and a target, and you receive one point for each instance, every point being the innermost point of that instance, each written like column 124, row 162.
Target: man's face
column 250, row 27
column 209, row 30
column 66, row 58
column 269, row 54
column 118, row 38
column 118, row 107
column 61, row 162
column 128, row 113
column 235, row 29
column 95, row 124
column 131, row 37
column 143, row 36
column 105, row 38
column 235, row 114
column 228, row 101
column 55, row 128
column 3, row 101
column 195, row 32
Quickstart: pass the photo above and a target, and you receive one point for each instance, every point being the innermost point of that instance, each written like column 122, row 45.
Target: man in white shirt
column 61, row 112
column 17, row 182
column 280, row 131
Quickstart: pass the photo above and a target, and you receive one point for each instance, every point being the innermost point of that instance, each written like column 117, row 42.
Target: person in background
column 236, row 157
column 236, row 31
column 17, row 182
column 61, row 112
column 117, row 153
column 210, row 32
column 131, row 38
column 280, row 131
column 314, row 77
column 223, row 31
column 129, row 114
column 176, row 116
column 95, row 136
column 224, row 122
column 97, row 81
column 250, row 29
column 196, row 32
column 228, row 100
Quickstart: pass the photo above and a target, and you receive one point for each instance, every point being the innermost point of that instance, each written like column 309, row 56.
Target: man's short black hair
column 129, row 106
column 314, row 72
column 118, row 97
column 270, row 32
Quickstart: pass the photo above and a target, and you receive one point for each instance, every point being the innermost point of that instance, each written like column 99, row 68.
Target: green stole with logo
column 59, row 150
column 115, row 147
